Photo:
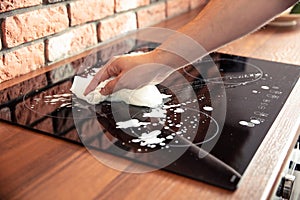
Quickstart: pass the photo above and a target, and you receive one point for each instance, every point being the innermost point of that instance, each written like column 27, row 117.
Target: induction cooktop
column 209, row 128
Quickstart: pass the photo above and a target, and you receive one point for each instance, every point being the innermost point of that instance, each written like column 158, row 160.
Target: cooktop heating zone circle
column 234, row 72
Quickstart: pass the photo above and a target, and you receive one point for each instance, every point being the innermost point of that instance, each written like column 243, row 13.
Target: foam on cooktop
column 148, row 96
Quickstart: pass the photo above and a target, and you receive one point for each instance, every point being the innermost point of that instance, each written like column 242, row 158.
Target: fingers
column 92, row 86
column 107, row 71
column 94, row 83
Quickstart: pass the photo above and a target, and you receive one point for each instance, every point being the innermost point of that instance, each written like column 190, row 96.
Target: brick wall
column 37, row 33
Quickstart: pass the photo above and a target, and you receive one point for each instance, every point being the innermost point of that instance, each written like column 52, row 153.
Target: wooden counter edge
column 265, row 169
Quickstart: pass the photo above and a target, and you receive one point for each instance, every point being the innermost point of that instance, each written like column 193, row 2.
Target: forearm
column 223, row 21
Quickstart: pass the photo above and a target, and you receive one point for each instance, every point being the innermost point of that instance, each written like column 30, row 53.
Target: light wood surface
column 35, row 166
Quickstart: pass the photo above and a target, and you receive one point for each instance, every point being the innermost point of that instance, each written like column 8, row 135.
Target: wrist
column 167, row 58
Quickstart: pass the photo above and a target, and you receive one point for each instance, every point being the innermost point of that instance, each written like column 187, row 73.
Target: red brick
column 33, row 25
column 177, row 7
column 90, row 10
column 117, row 25
column 1, row 61
column 7, row 5
column 3, row 74
column 22, row 61
column 197, row 3
column 54, row 1
column 72, row 42
column 123, row 5
column 151, row 15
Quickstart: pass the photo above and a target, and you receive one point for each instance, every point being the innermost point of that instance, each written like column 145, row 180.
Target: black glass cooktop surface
column 216, row 121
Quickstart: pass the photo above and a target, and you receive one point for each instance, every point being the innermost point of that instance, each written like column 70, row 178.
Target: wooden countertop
column 35, row 166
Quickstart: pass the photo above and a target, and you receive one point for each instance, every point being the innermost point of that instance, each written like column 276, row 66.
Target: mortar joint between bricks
column 2, row 34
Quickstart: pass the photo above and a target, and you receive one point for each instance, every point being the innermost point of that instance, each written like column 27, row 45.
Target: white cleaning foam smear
column 208, row 108
column 131, row 123
column 156, row 113
column 148, row 96
column 150, row 139
column 179, row 110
